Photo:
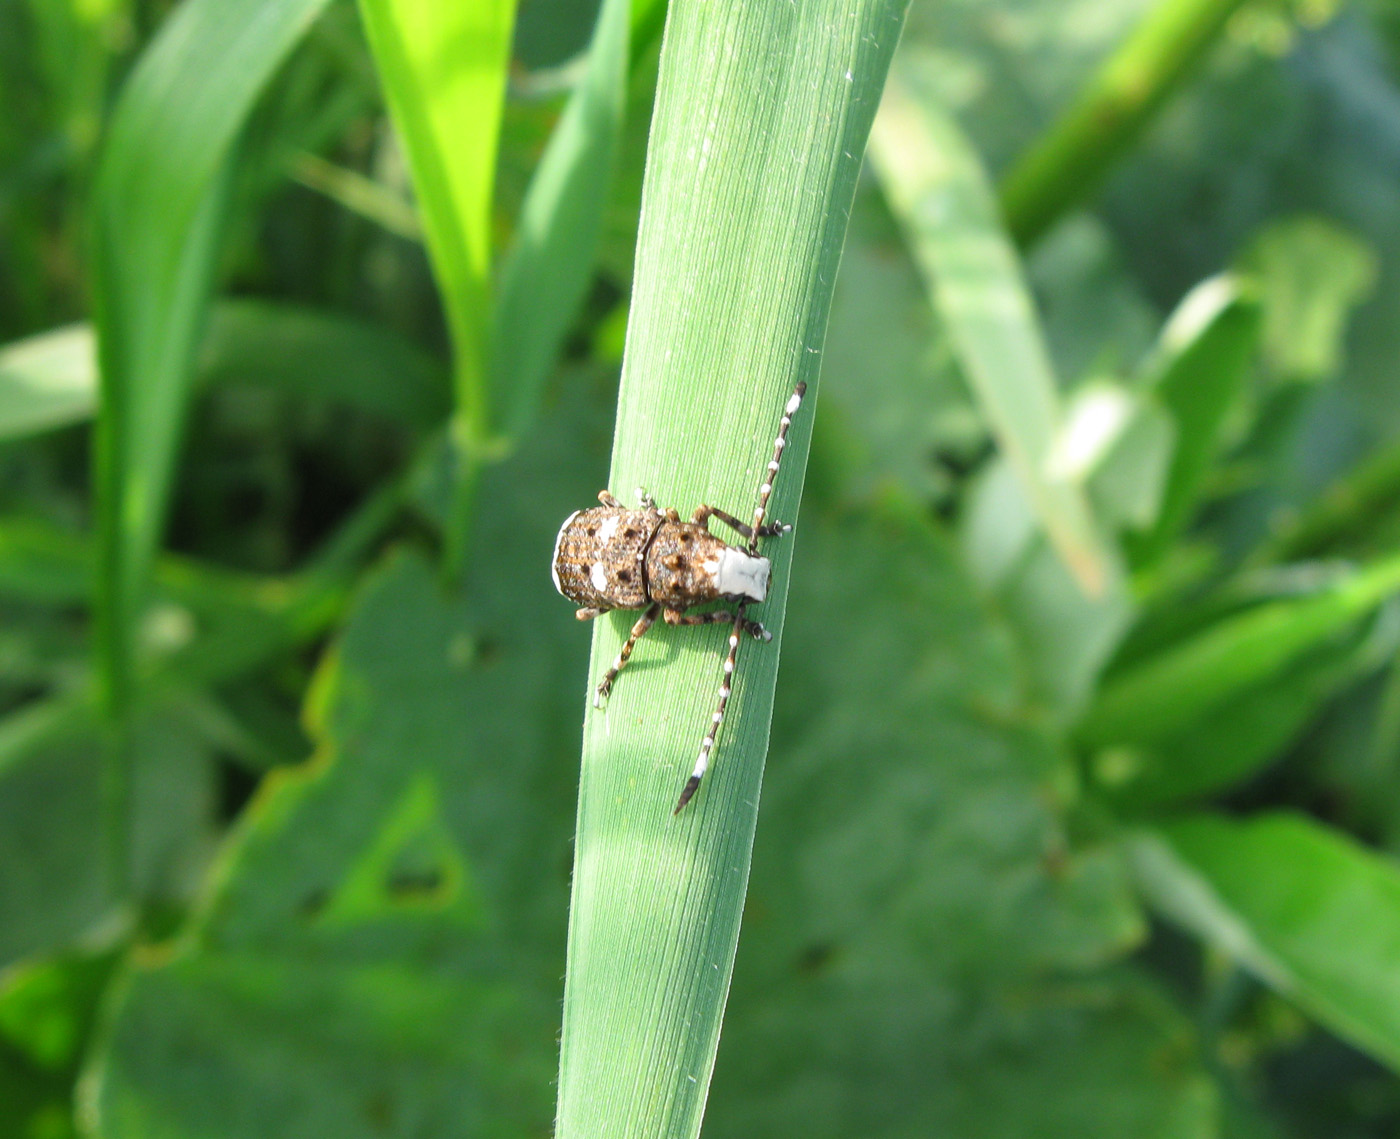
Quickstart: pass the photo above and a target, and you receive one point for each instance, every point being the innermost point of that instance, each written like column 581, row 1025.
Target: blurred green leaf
column 1306, row 909
column 443, row 67
column 50, row 380
column 47, row 381
column 740, row 239
column 1111, row 112
column 936, row 187
column 380, row 953
column 550, row 265
column 1309, row 274
column 1198, row 373
column 919, row 918
column 1205, row 672
column 157, row 208
column 1234, row 739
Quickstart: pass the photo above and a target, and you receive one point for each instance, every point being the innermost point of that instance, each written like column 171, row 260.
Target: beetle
column 614, row 557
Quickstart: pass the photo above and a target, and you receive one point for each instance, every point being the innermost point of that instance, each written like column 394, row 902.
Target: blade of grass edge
column 936, row 187
column 443, row 68
column 157, row 211
column 550, row 264
column 762, row 115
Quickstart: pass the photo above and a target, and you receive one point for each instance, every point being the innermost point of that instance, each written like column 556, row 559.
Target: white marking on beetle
column 608, row 529
column 559, row 541
column 599, row 576
column 742, row 575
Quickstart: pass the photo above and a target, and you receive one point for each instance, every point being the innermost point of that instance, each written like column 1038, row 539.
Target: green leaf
column 47, row 381
column 1184, row 681
column 1111, row 113
column 380, row 951
column 50, row 380
column 1233, row 739
column 443, row 67
column 937, row 188
column 761, row 118
column 1310, row 275
column 1304, row 908
column 550, row 264
column 1198, row 373
column 324, row 356
column 914, row 854
column 158, row 203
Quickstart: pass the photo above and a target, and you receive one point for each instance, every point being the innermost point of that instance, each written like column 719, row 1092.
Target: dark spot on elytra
column 629, row 533
column 685, row 538
column 593, row 531
column 624, row 575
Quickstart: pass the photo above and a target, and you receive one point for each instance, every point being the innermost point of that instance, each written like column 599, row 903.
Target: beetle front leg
column 705, row 512
column 754, row 629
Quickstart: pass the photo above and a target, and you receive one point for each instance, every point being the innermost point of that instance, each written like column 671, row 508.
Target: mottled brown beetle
column 610, row 557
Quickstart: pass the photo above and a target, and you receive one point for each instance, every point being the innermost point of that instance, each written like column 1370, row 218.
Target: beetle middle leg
column 705, row 512
column 754, row 629
column 639, row 630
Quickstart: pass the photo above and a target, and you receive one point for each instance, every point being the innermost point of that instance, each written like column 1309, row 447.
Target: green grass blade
column 157, row 208
column 1305, row 908
column 551, row 263
column 762, row 114
column 157, row 211
column 443, row 67
column 1107, row 118
column 937, row 189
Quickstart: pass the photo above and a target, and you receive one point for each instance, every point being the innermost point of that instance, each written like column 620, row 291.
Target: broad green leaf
column 1310, row 274
column 1306, row 909
column 922, row 941
column 443, row 67
column 1168, row 690
column 57, row 884
column 1198, row 374
column 761, row 118
column 380, row 952
column 47, row 381
column 1071, row 158
column 551, row 261
column 937, row 189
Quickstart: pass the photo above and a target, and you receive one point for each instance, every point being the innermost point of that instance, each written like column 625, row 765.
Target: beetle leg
column 754, row 629
column 704, row 513
column 588, row 614
column 645, row 499
column 639, row 630
column 606, row 498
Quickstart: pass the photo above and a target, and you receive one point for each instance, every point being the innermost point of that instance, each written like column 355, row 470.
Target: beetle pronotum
column 612, row 557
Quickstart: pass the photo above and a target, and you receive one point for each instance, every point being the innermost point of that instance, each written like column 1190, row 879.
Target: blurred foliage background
column 1083, row 799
